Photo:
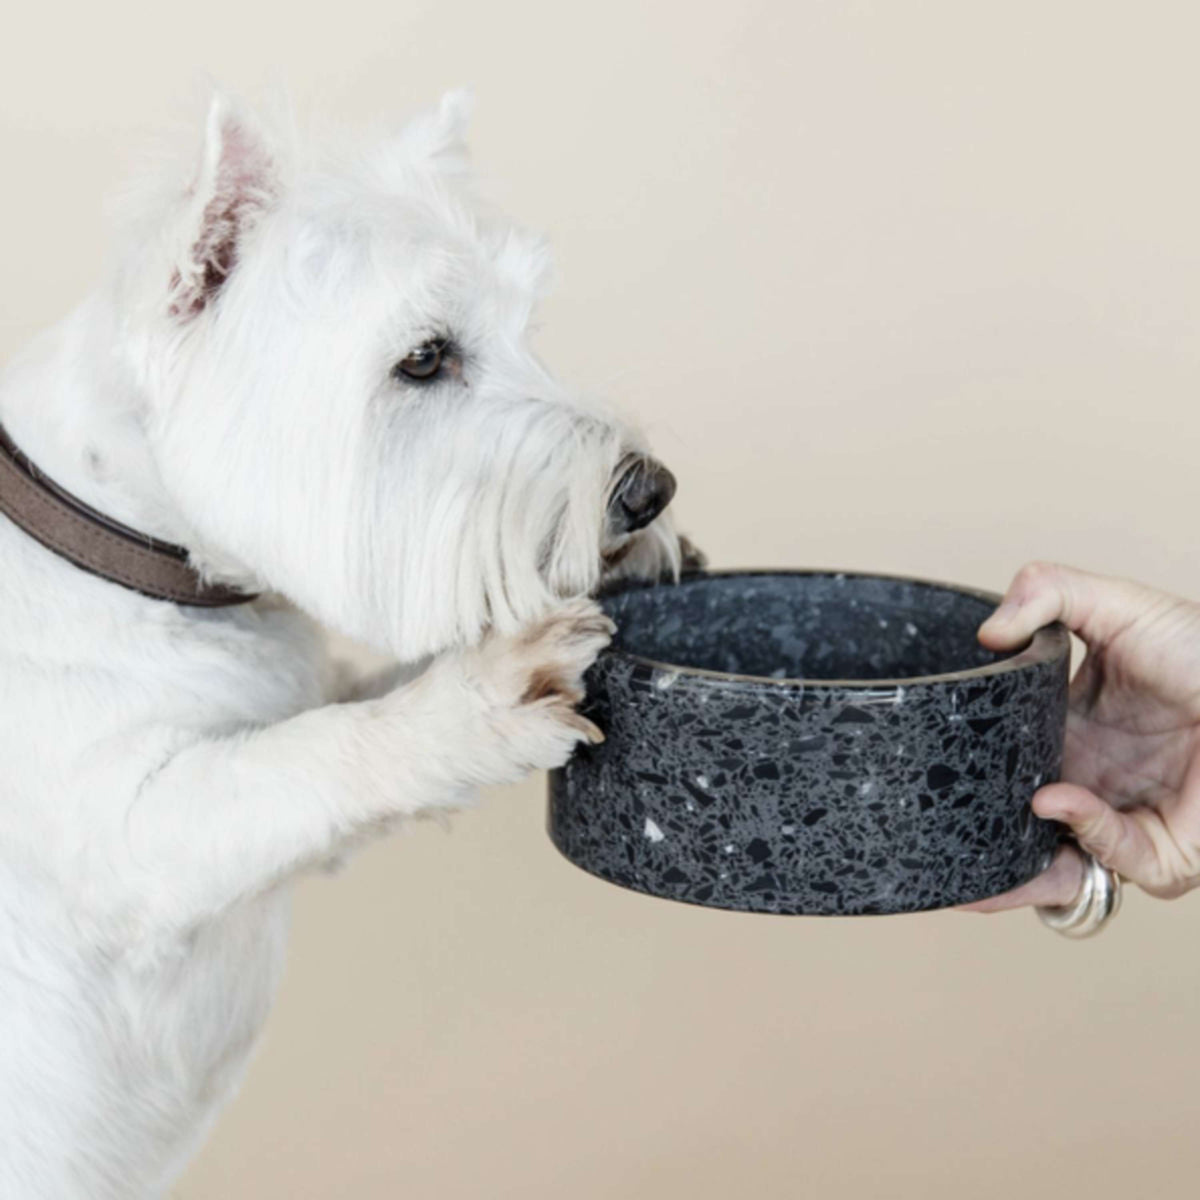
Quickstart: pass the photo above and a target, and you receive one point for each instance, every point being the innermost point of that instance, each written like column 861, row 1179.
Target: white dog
column 308, row 369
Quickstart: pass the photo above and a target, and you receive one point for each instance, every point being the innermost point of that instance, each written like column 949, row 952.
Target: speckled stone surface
column 738, row 772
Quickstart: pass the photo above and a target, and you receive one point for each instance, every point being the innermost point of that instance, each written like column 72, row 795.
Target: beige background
column 896, row 285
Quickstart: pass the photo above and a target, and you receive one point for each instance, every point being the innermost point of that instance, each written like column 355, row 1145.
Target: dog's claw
column 692, row 559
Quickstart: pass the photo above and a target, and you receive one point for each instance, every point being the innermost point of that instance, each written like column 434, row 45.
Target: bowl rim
column 1048, row 644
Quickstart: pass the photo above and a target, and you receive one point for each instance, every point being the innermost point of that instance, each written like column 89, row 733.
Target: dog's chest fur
column 98, row 1017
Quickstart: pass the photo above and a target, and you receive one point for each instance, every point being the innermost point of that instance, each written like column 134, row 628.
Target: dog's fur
column 167, row 771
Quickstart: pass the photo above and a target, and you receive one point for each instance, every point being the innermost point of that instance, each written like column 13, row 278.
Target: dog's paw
column 528, row 685
column 692, row 560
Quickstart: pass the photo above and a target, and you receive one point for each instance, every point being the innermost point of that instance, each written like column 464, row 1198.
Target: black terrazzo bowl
column 811, row 742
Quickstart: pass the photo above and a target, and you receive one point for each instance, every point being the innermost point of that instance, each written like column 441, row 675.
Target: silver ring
column 1099, row 900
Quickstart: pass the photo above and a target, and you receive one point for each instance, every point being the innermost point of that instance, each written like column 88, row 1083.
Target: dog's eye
column 424, row 363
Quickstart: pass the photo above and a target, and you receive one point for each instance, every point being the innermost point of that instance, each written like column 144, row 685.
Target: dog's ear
column 440, row 134
column 235, row 184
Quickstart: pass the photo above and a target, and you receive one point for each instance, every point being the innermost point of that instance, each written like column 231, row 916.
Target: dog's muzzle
column 643, row 489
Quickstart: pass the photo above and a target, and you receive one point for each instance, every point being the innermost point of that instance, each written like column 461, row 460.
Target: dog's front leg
column 224, row 819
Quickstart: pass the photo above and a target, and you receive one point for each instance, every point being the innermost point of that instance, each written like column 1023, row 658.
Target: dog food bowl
column 812, row 742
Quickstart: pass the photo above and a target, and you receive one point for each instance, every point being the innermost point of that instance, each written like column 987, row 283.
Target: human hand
column 1130, row 789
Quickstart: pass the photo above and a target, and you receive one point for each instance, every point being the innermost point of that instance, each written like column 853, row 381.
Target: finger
column 1118, row 839
column 1093, row 606
column 1058, row 884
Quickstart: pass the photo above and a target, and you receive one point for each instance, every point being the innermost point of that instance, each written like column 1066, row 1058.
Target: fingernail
column 1005, row 613
column 1050, row 811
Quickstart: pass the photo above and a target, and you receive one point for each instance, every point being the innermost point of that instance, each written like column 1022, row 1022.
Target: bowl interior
column 805, row 625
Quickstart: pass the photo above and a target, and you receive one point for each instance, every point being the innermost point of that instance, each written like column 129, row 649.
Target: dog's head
column 333, row 351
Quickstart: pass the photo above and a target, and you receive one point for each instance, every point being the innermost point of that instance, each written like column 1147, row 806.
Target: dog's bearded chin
column 655, row 554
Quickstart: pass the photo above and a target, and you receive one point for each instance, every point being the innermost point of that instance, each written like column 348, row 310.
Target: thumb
column 1093, row 606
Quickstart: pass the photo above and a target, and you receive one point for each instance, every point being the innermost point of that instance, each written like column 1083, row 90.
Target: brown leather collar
column 98, row 544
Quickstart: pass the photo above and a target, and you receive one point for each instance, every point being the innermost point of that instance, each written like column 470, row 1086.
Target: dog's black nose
column 642, row 492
